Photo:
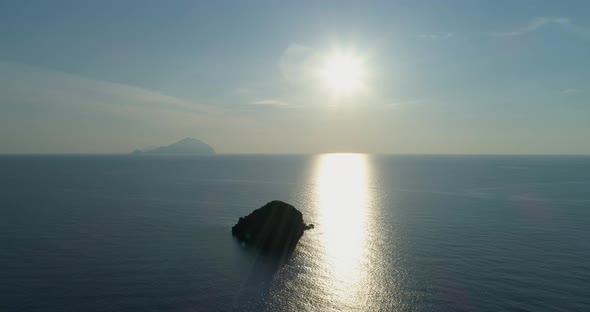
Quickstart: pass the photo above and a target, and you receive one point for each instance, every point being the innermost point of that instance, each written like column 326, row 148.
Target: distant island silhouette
column 186, row 146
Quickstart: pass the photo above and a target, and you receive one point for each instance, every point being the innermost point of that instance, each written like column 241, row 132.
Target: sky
column 458, row 77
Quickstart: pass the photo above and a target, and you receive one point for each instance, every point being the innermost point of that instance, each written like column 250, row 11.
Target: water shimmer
column 392, row 233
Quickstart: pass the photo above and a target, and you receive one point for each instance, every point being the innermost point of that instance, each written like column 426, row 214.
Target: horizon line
column 289, row 154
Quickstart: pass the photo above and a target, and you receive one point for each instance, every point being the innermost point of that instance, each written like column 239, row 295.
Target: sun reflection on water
column 342, row 211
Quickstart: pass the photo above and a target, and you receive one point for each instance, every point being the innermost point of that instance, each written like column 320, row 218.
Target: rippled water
column 393, row 233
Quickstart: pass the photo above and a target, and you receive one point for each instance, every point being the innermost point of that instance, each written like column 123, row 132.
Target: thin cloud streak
column 270, row 102
column 538, row 23
column 571, row 91
column 437, row 36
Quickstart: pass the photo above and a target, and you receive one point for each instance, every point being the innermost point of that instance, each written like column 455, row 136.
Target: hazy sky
column 439, row 76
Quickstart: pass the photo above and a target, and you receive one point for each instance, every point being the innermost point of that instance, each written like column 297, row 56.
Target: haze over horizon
column 473, row 77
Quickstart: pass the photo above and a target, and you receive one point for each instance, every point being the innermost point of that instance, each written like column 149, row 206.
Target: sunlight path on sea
column 350, row 260
column 342, row 194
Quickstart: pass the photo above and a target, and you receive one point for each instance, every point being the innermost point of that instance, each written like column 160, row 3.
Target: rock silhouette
column 275, row 227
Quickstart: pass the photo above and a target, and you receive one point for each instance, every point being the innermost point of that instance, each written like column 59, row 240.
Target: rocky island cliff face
column 275, row 227
column 187, row 146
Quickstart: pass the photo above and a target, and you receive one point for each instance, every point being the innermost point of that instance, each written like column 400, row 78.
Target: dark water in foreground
column 393, row 233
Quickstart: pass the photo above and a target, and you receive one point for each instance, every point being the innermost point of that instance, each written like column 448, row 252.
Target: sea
column 392, row 233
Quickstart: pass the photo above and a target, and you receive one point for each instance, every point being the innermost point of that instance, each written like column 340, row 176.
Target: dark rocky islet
column 275, row 227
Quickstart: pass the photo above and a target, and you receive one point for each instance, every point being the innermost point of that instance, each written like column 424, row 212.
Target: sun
column 343, row 72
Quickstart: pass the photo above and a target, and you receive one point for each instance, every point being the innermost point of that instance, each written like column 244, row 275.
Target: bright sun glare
column 343, row 73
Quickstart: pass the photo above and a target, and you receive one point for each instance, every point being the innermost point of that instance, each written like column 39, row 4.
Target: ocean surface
column 392, row 233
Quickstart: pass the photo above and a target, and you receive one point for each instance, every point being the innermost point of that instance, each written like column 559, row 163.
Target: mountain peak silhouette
column 186, row 146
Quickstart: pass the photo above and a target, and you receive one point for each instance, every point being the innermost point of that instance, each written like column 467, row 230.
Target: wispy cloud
column 104, row 108
column 39, row 86
column 538, row 23
column 437, row 36
column 571, row 91
column 270, row 102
